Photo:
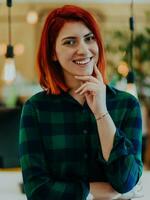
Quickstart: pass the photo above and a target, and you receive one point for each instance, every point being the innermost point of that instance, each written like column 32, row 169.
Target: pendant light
column 131, row 87
column 9, row 71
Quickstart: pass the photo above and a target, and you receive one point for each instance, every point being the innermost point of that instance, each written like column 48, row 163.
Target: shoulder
column 42, row 100
column 43, row 96
column 122, row 97
column 38, row 96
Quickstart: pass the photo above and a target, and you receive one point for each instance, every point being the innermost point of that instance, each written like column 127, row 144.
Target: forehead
column 76, row 29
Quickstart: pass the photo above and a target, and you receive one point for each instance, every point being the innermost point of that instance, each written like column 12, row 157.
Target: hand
column 101, row 191
column 94, row 90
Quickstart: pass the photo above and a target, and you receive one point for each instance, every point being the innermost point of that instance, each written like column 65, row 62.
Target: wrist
column 101, row 115
column 101, row 112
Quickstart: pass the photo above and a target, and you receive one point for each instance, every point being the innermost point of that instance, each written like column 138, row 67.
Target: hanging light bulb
column 9, row 70
column 131, row 87
column 123, row 69
column 32, row 17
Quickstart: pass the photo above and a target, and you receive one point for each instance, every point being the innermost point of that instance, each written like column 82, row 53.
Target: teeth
column 82, row 62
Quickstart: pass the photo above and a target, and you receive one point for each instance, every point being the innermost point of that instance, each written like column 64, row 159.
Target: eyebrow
column 73, row 37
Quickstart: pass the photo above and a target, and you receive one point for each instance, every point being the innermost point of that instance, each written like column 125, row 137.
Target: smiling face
column 76, row 49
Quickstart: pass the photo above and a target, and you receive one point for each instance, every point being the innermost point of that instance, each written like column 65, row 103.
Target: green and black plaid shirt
column 60, row 152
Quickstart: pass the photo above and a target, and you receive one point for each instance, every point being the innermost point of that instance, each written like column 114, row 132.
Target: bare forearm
column 106, row 129
column 102, row 190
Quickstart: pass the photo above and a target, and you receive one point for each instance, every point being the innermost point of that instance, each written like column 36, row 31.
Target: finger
column 87, row 78
column 98, row 74
column 90, row 89
column 87, row 84
column 81, row 87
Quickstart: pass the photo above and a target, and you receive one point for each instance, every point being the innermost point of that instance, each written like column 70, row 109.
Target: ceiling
column 78, row 1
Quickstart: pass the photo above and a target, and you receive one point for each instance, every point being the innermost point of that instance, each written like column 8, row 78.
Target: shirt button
column 84, row 110
column 85, row 131
column 85, row 156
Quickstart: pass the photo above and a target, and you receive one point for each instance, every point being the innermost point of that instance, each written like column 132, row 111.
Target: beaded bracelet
column 102, row 116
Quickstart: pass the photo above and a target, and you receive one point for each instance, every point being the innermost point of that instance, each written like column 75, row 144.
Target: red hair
column 49, row 72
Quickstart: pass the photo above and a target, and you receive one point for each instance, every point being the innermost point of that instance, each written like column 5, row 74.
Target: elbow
column 124, row 187
column 126, row 182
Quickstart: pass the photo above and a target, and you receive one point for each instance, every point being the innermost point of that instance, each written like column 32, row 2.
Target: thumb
column 98, row 74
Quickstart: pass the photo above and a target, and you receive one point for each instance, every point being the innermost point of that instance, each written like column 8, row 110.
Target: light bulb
column 32, row 17
column 9, row 71
column 123, row 69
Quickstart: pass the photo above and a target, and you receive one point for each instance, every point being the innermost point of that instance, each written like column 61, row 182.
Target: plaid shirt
column 60, row 151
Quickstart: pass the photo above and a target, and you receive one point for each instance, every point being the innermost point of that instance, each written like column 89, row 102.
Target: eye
column 90, row 38
column 70, row 42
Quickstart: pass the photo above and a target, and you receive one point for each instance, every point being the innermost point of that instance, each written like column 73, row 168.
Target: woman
column 79, row 136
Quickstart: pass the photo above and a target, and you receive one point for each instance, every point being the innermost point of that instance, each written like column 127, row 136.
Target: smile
column 83, row 61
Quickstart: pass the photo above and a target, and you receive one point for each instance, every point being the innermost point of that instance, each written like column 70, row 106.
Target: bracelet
column 102, row 116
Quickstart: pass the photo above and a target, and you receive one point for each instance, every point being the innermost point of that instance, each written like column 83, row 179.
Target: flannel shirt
column 60, row 150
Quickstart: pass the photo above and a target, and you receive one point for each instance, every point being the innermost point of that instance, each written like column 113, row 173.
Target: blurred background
column 127, row 48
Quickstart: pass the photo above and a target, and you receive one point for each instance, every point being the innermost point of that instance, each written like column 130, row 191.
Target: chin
column 88, row 73
column 84, row 74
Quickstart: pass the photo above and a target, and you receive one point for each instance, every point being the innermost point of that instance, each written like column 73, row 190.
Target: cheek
column 95, row 50
column 59, row 54
column 64, row 55
column 96, row 53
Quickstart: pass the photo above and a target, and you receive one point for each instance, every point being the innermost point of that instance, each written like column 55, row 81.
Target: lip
column 82, row 59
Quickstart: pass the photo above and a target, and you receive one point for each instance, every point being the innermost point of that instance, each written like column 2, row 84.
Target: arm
column 37, row 179
column 120, row 149
column 102, row 190
column 124, row 165
column 136, row 192
column 106, row 130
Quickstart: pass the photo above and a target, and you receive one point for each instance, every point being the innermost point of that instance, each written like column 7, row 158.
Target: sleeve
column 36, row 177
column 124, row 166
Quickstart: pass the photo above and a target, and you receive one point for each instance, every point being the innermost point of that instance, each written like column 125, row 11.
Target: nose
column 82, row 48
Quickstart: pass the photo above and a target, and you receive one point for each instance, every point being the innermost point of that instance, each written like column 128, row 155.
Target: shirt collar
column 110, row 89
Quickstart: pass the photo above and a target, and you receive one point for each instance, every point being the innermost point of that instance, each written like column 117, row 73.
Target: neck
column 74, row 84
column 71, row 82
